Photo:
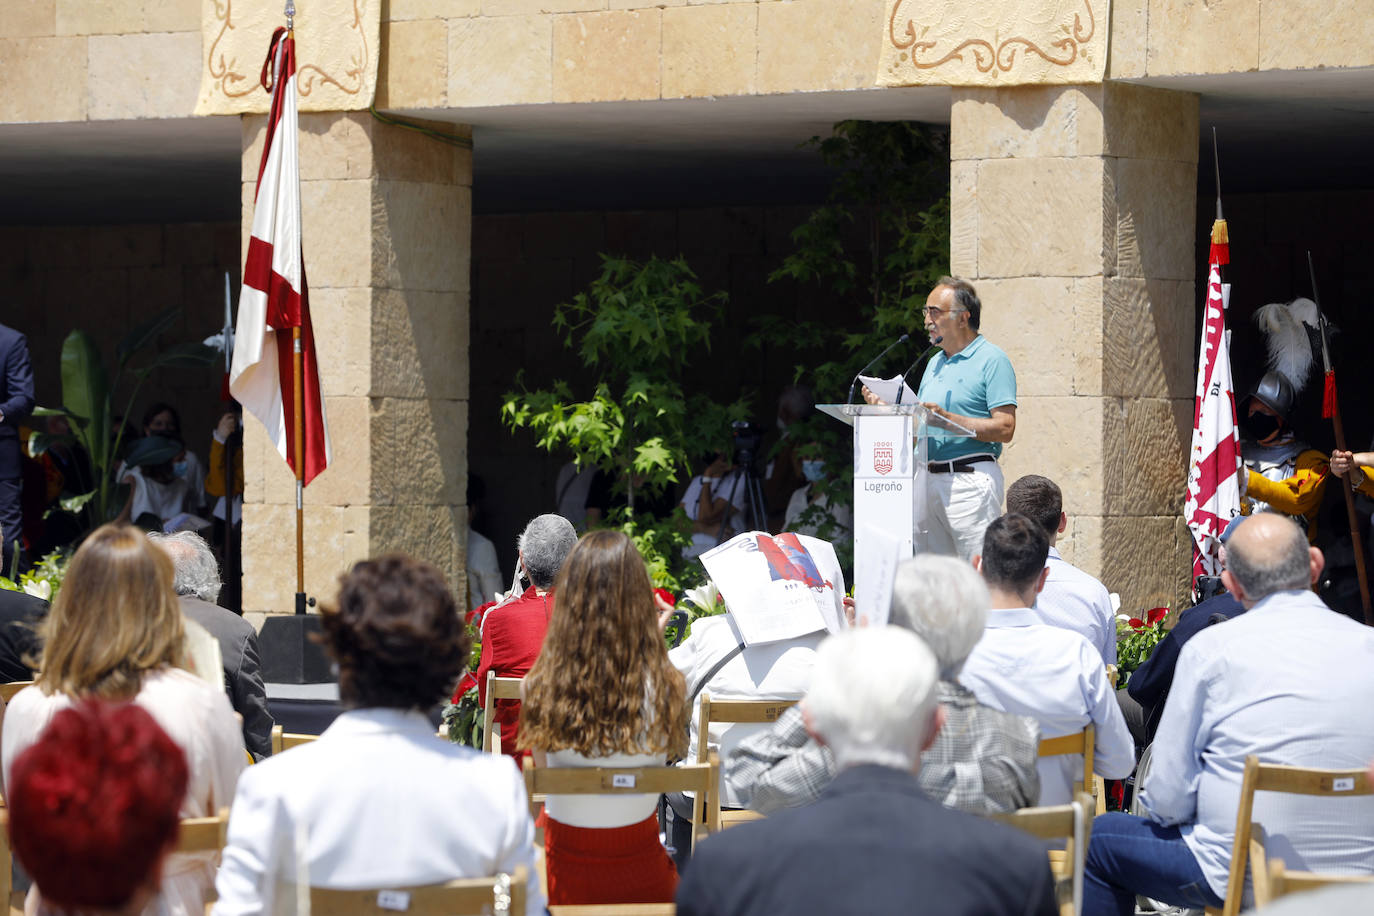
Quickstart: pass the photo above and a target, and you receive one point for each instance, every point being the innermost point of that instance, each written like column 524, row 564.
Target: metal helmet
column 1274, row 391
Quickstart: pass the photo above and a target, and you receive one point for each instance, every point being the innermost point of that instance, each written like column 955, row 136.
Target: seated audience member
column 983, row 760
column 116, row 633
column 512, row 633
column 94, row 808
column 784, row 474
column 379, row 800
column 20, row 615
column 718, row 490
column 873, row 842
column 605, row 632
column 197, row 584
column 1071, row 598
column 1288, row 681
column 1051, row 674
column 162, row 419
column 808, row 495
column 715, row 660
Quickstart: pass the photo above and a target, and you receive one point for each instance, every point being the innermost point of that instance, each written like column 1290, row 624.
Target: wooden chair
column 1113, row 675
column 1283, row 882
column 701, row 778
column 501, row 894
column 204, row 834
column 1079, row 743
column 732, row 712
column 284, row 741
column 8, row 690
column 1071, row 823
column 498, row 688
column 1249, row 847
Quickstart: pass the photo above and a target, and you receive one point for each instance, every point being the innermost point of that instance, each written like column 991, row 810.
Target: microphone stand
column 854, row 385
column 920, row 361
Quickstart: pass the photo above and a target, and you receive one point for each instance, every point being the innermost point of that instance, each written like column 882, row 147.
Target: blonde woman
column 603, row 693
column 115, row 633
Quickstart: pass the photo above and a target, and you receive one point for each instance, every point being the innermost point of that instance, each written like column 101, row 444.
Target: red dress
column 512, row 635
column 587, row 865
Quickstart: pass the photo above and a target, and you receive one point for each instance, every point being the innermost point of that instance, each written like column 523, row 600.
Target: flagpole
column 298, row 396
column 1331, row 407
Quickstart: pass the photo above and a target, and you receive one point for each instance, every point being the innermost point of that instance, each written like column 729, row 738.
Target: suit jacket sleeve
column 18, row 382
column 250, row 699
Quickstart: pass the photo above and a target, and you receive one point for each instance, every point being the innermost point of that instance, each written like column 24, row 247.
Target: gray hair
column 195, row 571
column 1268, row 553
column 872, row 697
column 944, row 601
column 545, row 544
column 965, row 297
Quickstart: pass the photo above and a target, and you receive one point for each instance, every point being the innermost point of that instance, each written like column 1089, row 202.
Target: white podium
column 889, row 478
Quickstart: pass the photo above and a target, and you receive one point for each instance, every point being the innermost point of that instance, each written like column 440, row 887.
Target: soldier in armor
column 1281, row 473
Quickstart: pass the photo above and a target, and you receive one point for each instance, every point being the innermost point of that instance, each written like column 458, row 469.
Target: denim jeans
column 1130, row 855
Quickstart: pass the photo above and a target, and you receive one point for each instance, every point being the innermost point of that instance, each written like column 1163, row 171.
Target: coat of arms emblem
column 882, row 458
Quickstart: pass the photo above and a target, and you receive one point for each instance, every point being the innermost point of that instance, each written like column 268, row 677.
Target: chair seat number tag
column 398, row 901
column 622, row 780
column 1345, row 784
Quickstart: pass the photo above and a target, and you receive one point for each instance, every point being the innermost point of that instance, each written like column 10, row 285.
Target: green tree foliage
column 637, row 330
column 876, row 248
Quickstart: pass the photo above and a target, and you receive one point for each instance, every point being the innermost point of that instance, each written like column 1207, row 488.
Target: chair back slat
column 1078, row 743
column 700, row 778
column 203, row 834
column 464, row 897
column 8, row 690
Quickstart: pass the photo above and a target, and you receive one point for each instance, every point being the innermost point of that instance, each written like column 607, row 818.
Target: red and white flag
column 1214, row 460
column 274, row 298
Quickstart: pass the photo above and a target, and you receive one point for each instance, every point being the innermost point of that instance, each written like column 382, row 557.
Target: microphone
column 854, row 385
column 935, row 348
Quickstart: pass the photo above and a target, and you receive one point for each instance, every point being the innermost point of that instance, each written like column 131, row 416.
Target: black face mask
column 1261, row 426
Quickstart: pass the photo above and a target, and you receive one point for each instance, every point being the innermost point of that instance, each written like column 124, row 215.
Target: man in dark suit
column 20, row 614
column 872, row 843
column 197, row 583
column 16, row 403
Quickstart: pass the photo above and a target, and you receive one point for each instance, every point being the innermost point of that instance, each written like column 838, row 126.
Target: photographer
column 719, row 489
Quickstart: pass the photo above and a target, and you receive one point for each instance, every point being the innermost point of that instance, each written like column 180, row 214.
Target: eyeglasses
column 931, row 311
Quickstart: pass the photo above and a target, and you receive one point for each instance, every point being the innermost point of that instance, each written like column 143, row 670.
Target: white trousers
column 959, row 506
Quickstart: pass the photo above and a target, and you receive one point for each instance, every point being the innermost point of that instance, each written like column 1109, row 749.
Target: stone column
column 387, row 230
column 1073, row 212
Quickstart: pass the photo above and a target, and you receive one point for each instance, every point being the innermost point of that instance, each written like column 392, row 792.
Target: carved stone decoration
column 993, row 42
column 336, row 54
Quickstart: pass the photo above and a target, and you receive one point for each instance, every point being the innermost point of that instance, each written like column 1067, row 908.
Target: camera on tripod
column 746, row 441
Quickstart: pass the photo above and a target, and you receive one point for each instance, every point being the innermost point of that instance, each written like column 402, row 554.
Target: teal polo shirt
column 971, row 382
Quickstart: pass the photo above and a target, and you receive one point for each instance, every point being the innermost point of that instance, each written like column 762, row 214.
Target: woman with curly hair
column 115, row 633
column 603, row 693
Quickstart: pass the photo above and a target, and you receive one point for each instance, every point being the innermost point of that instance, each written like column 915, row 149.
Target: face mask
column 1260, row 426
column 180, row 468
column 813, row 470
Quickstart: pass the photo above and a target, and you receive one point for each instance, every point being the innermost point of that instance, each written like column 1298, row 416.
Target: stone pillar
column 1073, row 212
column 387, row 230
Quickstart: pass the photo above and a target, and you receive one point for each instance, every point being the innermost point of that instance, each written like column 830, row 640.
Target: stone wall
column 78, row 60
column 105, row 280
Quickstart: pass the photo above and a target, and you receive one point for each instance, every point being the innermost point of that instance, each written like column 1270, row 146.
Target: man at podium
column 970, row 381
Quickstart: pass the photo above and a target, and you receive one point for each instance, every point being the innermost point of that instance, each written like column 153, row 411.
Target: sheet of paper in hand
column 778, row 586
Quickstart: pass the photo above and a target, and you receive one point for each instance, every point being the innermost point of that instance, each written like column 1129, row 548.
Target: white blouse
column 194, row 714
column 601, row 810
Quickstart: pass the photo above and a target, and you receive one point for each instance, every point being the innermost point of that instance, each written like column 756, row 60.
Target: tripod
column 754, row 512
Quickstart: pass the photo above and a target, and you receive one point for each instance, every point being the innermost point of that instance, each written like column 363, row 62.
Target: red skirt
column 588, row 865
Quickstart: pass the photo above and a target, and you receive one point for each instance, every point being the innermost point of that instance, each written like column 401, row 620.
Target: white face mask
column 813, row 470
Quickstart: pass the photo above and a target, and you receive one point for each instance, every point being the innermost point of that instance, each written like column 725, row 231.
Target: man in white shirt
column 1027, row 668
column 1071, row 598
column 1288, row 681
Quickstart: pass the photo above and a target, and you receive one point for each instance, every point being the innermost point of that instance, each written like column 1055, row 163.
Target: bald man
column 1290, row 681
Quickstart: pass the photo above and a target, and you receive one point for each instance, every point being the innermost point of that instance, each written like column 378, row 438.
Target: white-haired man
column 873, row 842
column 983, row 760
column 197, row 583
column 1289, row 681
